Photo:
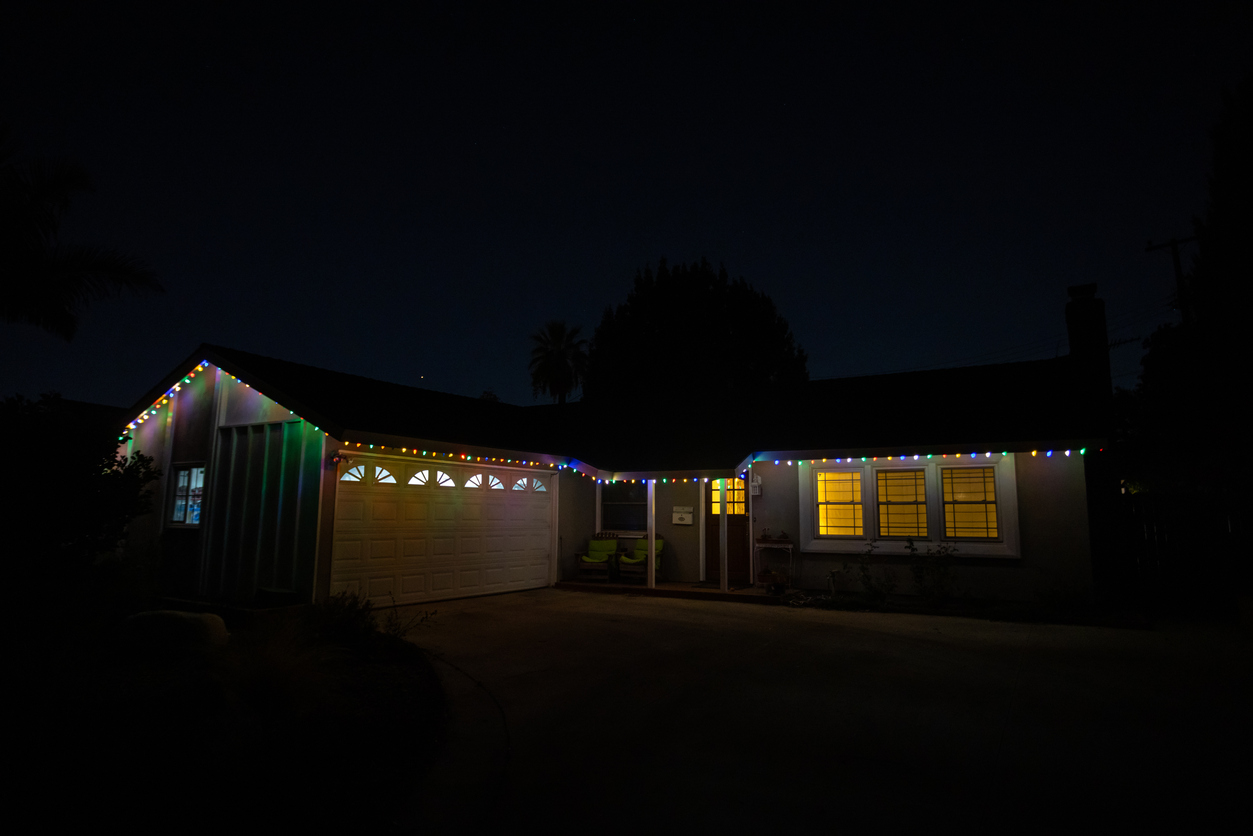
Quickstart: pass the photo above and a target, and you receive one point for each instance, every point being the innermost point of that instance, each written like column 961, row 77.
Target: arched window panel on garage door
column 475, row 481
column 520, row 485
column 537, row 485
column 356, row 473
column 444, row 480
column 420, row 478
column 384, row 476
column 494, row 484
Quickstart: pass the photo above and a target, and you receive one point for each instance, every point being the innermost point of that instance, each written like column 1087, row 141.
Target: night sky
column 408, row 194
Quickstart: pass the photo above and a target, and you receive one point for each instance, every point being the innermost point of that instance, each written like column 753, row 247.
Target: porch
column 696, row 590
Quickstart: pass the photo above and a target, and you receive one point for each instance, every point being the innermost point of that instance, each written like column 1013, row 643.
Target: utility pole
column 1182, row 298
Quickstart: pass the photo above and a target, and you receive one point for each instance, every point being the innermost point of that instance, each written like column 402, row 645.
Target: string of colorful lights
column 435, row 455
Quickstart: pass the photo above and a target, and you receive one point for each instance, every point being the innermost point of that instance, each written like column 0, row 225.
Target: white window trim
column 173, row 497
column 1006, row 506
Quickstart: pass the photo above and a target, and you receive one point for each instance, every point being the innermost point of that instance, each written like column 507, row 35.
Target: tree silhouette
column 558, row 360
column 691, row 336
column 42, row 281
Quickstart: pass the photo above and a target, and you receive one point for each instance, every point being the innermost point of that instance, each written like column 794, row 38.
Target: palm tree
column 558, row 360
column 42, row 281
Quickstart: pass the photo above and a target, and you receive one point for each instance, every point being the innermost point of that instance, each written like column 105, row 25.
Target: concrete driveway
column 619, row 713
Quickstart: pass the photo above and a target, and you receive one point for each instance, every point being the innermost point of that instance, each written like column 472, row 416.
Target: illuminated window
column 384, row 476
column 475, row 481
column 494, row 484
column 188, row 490
column 444, row 480
column 839, row 504
column 420, row 477
column 353, row 474
column 520, row 485
column 970, row 502
column 902, row 503
column 537, row 485
column 735, row 496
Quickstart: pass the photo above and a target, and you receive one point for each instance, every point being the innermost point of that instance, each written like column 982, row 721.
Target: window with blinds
column 839, row 504
column 970, row 502
column 902, row 503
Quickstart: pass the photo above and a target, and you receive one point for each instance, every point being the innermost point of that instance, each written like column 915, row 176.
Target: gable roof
column 1018, row 406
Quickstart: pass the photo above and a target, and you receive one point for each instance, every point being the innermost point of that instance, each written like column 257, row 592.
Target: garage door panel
column 346, row 550
column 422, row 543
column 380, row 587
column 383, row 549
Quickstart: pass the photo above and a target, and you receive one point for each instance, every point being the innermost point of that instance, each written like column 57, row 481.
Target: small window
column 384, row 476
column 624, row 506
column 353, row 474
column 537, row 485
column 902, row 503
column 734, row 498
column 494, row 484
column 444, row 480
column 970, row 503
column 475, row 481
column 520, row 485
column 839, row 504
column 420, row 477
column 188, row 491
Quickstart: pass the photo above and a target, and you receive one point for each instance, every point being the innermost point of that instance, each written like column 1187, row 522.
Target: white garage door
column 422, row 531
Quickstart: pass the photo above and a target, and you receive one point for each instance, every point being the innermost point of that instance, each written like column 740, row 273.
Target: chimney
column 1089, row 341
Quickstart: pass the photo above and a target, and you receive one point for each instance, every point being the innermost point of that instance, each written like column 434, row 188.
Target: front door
column 737, row 533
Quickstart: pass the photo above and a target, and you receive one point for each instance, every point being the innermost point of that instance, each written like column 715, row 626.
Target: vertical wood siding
column 263, row 518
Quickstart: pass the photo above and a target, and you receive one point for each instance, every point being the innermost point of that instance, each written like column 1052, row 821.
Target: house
column 288, row 483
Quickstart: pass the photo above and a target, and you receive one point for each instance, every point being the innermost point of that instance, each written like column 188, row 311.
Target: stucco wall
column 680, row 559
column 1053, row 519
column 576, row 520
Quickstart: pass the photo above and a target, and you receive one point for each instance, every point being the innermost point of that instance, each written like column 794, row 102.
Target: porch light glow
column 1033, row 452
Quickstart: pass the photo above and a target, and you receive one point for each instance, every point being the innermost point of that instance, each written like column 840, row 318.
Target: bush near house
column 287, row 724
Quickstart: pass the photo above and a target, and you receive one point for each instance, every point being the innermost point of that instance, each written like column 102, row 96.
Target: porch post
column 598, row 486
column 652, row 533
column 702, row 531
column 722, row 535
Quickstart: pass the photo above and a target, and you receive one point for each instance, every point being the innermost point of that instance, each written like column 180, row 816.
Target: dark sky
column 408, row 194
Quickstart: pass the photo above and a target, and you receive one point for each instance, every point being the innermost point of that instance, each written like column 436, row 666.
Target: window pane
column 624, row 517
column 970, row 502
column 902, row 503
column 194, row 495
column 840, row 520
column 182, row 483
column 902, row 520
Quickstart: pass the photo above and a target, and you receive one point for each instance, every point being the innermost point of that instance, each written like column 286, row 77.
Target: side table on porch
column 787, row 545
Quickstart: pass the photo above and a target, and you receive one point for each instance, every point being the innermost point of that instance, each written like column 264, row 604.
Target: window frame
column 1006, row 545
column 861, row 479
column 172, row 501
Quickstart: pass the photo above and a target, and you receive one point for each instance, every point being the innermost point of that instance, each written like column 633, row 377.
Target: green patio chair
column 598, row 561
column 635, row 564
